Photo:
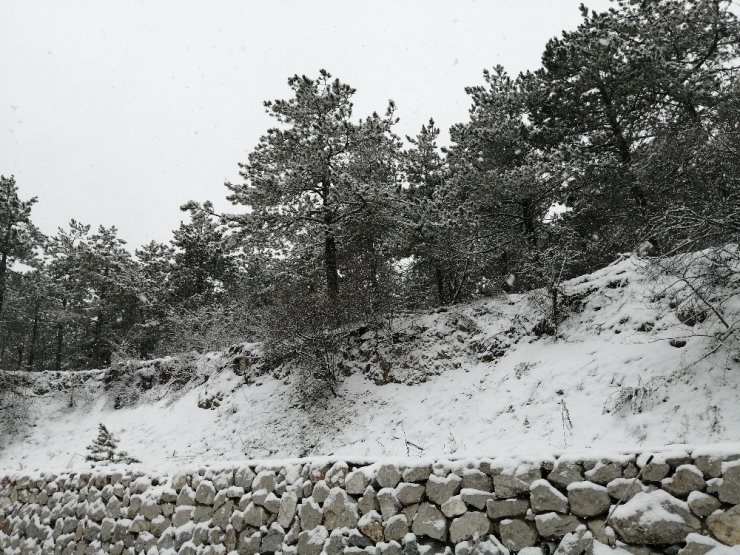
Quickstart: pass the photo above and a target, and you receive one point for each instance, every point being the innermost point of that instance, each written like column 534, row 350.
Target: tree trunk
column 330, row 265
column 3, row 269
column 454, row 294
column 555, row 307
column 99, row 353
column 529, row 217
column 34, row 338
column 373, row 275
column 439, row 278
column 42, row 354
column 60, row 342
column 330, row 243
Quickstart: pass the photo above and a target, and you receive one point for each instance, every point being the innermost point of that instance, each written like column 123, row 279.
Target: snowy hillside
column 472, row 379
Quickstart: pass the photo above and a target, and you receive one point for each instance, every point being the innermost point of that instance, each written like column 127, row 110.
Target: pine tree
column 501, row 185
column 104, row 449
column 111, row 276
column 683, row 53
column 202, row 266
column 298, row 180
column 18, row 235
column 433, row 234
column 373, row 235
column 65, row 253
column 156, row 262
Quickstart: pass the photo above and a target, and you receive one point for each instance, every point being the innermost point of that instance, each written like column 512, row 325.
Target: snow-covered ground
column 472, row 380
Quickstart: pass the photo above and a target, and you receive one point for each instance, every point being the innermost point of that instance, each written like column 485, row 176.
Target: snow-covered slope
column 473, row 379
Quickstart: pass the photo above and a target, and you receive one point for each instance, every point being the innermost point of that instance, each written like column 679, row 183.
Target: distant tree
column 65, row 253
column 154, row 291
column 35, row 292
column 202, row 266
column 111, row 278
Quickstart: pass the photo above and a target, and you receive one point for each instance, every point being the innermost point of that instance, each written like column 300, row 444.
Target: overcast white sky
column 116, row 113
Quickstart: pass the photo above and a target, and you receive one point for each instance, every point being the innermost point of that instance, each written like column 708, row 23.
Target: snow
column 728, row 465
column 601, row 549
column 368, row 518
column 472, row 381
column 551, row 490
column 651, row 508
column 700, row 539
column 317, row 536
column 585, row 485
column 713, row 451
column 692, row 469
column 723, row 550
column 21, row 267
column 556, row 210
column 662, row 456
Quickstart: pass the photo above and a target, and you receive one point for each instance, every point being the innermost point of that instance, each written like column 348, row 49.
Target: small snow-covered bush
column 104, row 449
column 634, row 399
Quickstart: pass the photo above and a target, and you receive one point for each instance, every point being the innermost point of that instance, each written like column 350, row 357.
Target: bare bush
column 548, row 267
column 14, row 401
column 308, row 334
column 634, row 399
column 211, row 327
column 703, row 289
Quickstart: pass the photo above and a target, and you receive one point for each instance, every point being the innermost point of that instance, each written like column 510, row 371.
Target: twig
column 634, row 480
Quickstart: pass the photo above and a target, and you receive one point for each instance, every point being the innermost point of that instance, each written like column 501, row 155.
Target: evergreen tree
column 104, row 449
column 623, row 79
column 156, row 262
column 683, row 53
column 297, row 180
column 501, row 185
column 111, row 278
column 35, row 293
column 65, row 253
column 373, row 236
column 18, row 235
column 202, row 266
column 434, row 234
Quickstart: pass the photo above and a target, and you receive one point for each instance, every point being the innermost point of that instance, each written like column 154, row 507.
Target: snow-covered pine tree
column 104, row 449
column 104, row 446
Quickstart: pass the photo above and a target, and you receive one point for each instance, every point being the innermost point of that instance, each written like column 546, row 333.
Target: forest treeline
column 627, row 137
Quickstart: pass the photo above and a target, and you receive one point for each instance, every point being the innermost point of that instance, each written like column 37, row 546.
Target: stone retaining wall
column 673, row 501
